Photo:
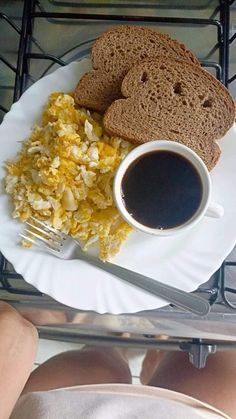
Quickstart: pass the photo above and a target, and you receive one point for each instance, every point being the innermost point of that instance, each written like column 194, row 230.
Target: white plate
column 183, row 261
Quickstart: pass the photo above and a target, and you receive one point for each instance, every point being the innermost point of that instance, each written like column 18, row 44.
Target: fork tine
column 59, row 233
column 38, row 244
column 46, row 233
column 52, row 244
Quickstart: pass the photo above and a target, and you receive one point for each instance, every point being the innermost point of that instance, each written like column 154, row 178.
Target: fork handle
column 187, row 301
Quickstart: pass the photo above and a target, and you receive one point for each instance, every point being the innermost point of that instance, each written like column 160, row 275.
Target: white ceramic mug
column 206, row 207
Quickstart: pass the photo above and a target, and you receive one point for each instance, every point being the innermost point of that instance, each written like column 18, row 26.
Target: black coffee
column 161, row 189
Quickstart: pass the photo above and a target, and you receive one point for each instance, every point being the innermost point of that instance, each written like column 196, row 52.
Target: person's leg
column 215, row 384
column 18, row 344
column 88, row 366
column 149, row 365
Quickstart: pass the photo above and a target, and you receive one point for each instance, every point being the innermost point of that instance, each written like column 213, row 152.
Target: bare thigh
column 88, row 366
column 18, row 345
column 215, row 384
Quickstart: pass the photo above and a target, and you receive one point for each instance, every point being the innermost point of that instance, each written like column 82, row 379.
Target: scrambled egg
column 64, row 174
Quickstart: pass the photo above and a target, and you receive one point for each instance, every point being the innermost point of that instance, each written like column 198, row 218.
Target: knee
column 13, row 325
column 108, row 363
column 29, row 332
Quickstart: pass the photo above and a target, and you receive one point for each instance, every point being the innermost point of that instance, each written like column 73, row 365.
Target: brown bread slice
column 114, row 53
column 172, row 100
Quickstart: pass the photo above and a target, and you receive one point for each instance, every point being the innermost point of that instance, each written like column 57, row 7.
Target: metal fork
column 65, row 247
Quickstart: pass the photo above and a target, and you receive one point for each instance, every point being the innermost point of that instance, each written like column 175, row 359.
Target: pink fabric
column 112, row 401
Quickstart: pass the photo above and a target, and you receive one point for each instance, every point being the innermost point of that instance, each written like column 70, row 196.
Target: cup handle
column 214, row 210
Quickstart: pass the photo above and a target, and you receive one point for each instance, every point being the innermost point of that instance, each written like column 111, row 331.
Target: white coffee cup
column 205, row 208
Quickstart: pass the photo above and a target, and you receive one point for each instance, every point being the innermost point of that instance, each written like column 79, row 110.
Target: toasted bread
column 114, row 53
column 172, row 100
